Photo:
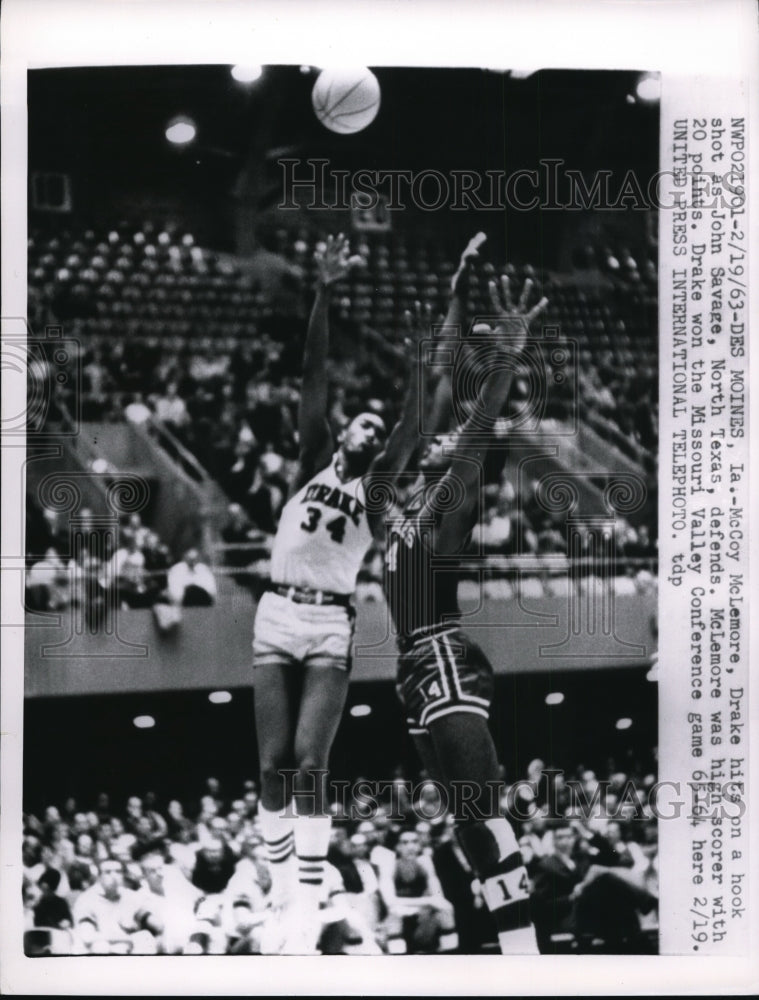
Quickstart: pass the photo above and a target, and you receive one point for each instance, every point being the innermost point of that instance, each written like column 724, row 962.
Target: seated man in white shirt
column 110, row 919
column 191, row 582
column 172, row 901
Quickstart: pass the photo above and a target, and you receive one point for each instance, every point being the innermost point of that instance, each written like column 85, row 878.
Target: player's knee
column 274, row 768
column 311, row 765
column 310, row 757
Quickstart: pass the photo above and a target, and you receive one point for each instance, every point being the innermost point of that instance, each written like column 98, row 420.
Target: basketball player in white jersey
column 304, row 623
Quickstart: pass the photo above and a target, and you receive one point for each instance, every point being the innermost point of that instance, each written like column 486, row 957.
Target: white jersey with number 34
column 323, row 535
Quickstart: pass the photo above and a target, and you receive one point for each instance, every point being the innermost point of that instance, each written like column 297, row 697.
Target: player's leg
column 276, row 694
column 277, row 686
column 426, row 752
column 323, row 697
column 466, row 756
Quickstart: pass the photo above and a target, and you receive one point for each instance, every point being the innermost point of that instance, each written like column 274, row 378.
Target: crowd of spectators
column 131, row 567
column 199, row 343
column 192, row 878
column 100, row 568
column 207, row 346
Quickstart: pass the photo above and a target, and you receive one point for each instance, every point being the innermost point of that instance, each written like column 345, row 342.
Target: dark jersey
column 411, row 880
column 420, row 586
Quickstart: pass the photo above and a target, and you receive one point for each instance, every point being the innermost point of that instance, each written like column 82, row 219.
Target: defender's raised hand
column 335, row 261
column 417, row 326
column 469, row 256
column 513, row 320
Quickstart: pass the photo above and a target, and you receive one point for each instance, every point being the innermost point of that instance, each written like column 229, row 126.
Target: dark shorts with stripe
column 442, row 674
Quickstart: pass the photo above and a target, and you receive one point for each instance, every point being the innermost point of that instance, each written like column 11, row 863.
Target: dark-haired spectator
column 146, row 839
column 556, row 878
column 247, row 548
column 418, row 912
column 175, row 818
column 31, row 858
column 266, row 494
column 236, row 475
column 113, row 919
column 214, row 866
column 52, row 910
column 575, row 892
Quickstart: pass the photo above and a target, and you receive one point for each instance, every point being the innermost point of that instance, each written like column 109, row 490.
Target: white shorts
column 316, row 635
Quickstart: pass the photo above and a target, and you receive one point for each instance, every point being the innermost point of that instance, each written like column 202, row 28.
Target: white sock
column 520, row 942
column 311, row 844
column 277, row 830
column 493, row 853
column 448, row 941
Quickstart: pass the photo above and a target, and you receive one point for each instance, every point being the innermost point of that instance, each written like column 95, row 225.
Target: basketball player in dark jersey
column 445, row 680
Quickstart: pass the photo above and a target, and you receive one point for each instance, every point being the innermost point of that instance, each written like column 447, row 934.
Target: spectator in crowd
column 215, row 865
column 613, row 883
column 184, row 847
column 267, row 492
column 127, row 572
column 251, row 880
column 351, row 920
column 146, row 838
column 171, row 409
column 136, row 410
column 48, row 583
column 460, row 887
column 157, row 563
column 549, row 538
column 247, row 548
column 521, row 539
column 111, row 919
column 52, row 910
column 191, row 582
column 172, row 901
column 576, row 893
column 31, row 858
column 418, row 912
column 556, row 879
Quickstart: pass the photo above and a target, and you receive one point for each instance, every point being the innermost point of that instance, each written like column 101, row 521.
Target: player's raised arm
column 316, row 444
column 404, row 437
column 441, row 408
column 508, row 340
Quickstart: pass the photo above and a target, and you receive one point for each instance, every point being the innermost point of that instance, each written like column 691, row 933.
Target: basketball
column 346, row 100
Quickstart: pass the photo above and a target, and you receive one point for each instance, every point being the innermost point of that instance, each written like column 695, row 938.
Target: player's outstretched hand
column 417, row 325
column 335, row 260
column 513, row 319
column 468, row 257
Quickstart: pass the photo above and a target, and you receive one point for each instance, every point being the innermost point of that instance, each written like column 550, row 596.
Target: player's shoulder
column 308, row 469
